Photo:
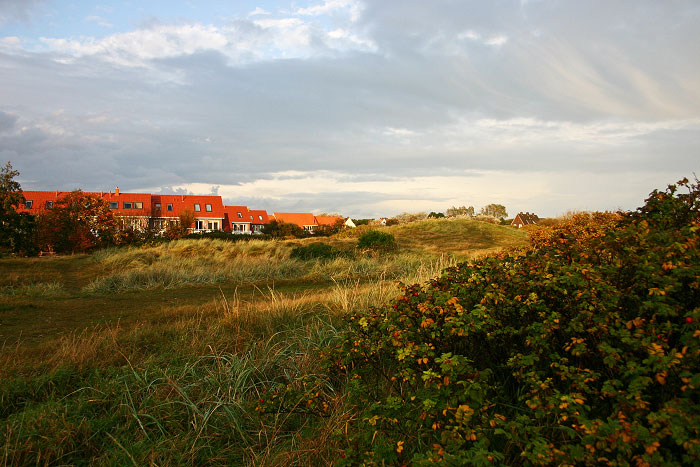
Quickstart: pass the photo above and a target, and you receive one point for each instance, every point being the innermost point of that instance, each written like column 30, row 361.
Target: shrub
column 583, row 350
column 314, row 251
column 376, row 240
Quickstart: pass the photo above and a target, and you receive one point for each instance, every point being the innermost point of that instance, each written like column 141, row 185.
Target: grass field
column 160, row 355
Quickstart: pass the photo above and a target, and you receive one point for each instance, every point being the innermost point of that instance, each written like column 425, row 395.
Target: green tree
column 279, row 229
column 460, row 211
column 494, row 210
column 78, row 222
column 16, row 229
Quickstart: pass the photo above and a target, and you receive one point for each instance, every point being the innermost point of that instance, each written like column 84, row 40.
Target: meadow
column 166, row 354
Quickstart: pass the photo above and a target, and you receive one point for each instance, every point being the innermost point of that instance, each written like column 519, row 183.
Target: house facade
column 144, row 210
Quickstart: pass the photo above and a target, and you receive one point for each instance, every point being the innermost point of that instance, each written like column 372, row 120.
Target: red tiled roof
column 525, row 219
column 235, row 214
column 299, row 218
column 182, row 203
column 329, row 220
column 38, row 200
column 259, row 216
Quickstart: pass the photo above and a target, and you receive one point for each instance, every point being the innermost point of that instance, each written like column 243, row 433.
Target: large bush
column 376, row 240
column 583, row 350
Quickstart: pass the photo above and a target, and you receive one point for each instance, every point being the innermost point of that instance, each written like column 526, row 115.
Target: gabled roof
column 238, row 214
column 299, row 218
column 329, row 220
column 259, row 216
column 181, row 203
column 39, row 199
column 525, row 219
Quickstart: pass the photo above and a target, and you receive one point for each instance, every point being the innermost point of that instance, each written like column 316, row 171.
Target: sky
column 364, row 107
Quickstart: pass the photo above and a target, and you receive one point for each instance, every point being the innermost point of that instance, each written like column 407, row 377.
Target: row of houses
column 144, row 210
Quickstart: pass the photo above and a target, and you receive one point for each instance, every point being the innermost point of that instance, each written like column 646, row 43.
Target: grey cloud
column 18, row 10
column 413, row 108
column 7, row 121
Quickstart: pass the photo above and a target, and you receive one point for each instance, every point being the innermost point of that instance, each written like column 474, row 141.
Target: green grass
column 160, row 355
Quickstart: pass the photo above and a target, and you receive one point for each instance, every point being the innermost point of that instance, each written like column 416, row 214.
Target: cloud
column 7, row 121
column 99, row 20
column 417, row 107
column 18, row 10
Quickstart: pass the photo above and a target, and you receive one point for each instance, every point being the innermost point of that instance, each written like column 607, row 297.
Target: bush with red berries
column 584, row 349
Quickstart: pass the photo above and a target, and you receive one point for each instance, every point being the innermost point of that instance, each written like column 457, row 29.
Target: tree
column 494, row 210
column 78, row 222
column 328, row 230
column 435, row 215
column 460, row 211
column 16, row 229
column 279, row 229
column 180, row 229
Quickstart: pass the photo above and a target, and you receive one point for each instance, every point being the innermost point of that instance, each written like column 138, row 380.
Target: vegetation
column 582, row 350
column 494, row 210
column 77, row 222
column 16, row 229
column 376, row 240
column 279, row 229
column 460, row 211
column 314, row 251
column 163, row 353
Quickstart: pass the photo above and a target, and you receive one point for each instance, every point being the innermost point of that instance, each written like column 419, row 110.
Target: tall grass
column 41, row 289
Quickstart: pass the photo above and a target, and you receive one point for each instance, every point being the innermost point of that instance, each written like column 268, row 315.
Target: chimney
column 116, row 191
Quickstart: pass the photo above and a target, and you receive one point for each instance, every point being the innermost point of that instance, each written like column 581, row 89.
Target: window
column 138, row 205
column 207, row 207
column 199, row 225
column 128, row 205
column 113, row 205
column 49, row 204
column 260, row 217
column 240, row 216
column 157, row 206
column 170, row 208
column 28, row 203
column 251, row 217
column 197, row 208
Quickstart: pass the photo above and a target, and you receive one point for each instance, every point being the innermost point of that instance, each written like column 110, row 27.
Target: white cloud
column 328, row 7
column 136, row 47
column 258, row 11
column 379, row 195
column 99, row 20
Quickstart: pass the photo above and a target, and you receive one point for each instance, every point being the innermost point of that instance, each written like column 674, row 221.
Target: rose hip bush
column 583, row 350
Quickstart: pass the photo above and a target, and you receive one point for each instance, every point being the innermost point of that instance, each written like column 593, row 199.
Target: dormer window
column 197, row 208
column 260, row 217
column 207, row 207
column 240, row 216
column 128, row 205
column 138, row 205
column 49, row 204
column 28, row 203
column 170, row 208
column 114, row 205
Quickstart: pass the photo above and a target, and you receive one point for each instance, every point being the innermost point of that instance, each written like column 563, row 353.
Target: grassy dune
column 160, row 355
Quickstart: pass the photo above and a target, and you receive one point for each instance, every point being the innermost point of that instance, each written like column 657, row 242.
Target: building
column 237, row 219
column 523, row 219
column 305, row 220
column 143, row 210
column 258, row 218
